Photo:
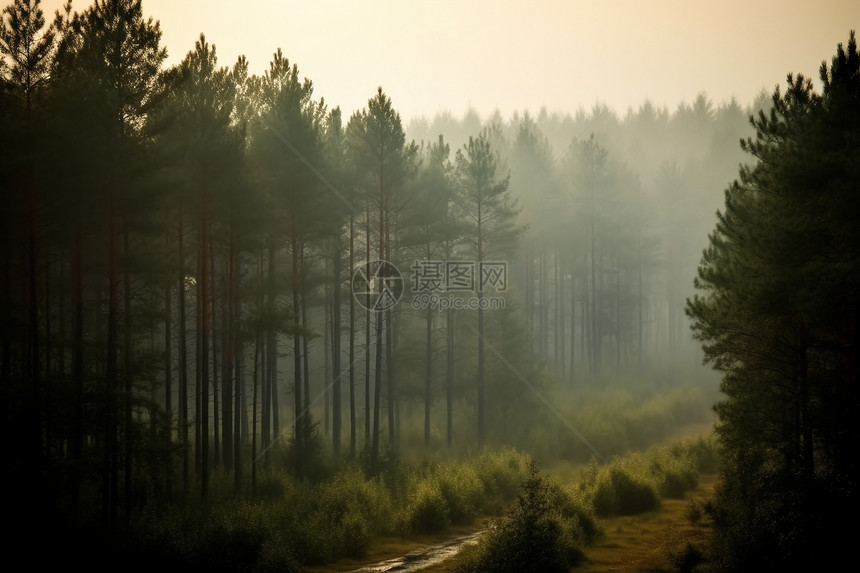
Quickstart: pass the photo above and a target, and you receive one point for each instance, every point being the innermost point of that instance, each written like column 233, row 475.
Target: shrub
column 674, row 472
column 502, row 473
column 533, row 536
column 426, row 510
column 463, row 491
column 340, row 517
column 614, row 491
column 238, row 536
column 685, row 557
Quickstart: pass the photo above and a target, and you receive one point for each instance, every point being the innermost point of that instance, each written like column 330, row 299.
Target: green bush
column 426, row 509
column 533, row 536
column 340, row 517
column 463, row 491
column 674, row 472
column 502, row 473
column 236, row 536
column 618, row 490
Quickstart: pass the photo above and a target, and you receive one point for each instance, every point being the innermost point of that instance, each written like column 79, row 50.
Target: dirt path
column 421, row 559
column 395, row 554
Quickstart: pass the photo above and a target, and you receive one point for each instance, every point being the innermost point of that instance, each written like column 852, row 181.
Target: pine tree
column 776, row 312
column 490, row 213
column 384, row 160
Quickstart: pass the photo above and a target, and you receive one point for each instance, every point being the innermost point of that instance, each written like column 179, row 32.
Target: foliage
column 538, row 534
column 776, row 312
column 635, row 482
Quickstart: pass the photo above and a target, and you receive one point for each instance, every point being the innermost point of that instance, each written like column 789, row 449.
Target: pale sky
column 505, row 55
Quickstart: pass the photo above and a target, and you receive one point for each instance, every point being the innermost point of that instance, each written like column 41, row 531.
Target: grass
column 366, row 505
column 652, row 541
column 627, row 493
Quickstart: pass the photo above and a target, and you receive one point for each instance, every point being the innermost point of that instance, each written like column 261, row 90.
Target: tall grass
column 343, row 509
column 549, row 526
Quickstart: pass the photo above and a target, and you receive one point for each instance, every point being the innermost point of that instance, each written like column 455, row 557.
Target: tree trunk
column 300, row 418
column 203, row 358
column 428, row 372
column 182, row 414
column 449, row 378
column 352, row 435
column 335, row 355
column 227, row 353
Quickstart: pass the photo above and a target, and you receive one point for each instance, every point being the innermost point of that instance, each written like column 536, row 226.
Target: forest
column 244, row 330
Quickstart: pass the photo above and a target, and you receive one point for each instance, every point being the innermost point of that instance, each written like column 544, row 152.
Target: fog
column 248, row 329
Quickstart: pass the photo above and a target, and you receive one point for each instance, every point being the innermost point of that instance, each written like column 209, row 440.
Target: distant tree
column 288, row 145
column 430, row 230
column 483, row 196
column 337, row 162
column 204, row 98
column 384, row 160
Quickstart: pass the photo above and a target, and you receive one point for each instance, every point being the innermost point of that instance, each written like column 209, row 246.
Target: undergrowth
column 549, row 525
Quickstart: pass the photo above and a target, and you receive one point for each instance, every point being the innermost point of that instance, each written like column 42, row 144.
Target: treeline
column 179, row 245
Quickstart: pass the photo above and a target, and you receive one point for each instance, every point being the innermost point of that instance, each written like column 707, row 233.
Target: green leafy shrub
column 685, row 557
column 426, row 508
column 502, row 473
column 463, row 491
column 237, row 536
column 533, row 536
column 340, row 517
column 674, row 472
column 617, row 489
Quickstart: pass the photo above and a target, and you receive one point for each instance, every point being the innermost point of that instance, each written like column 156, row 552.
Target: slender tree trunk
column 390, row 378
column 529, row 294
column 254, row 399
column 560, row 319
column 481, row 405
column 379, row 325
column 182, row 414
column 572, row 370
column 327, row 348
column 78, row 373
column 449, row 378
column 305, row 322
column 639, row 350
column 352, row 434
column 367, row 326
column 617, row 317
column 203, row 289
column 335, row 355
column 227, row 353
column 168, row 383
column 49, row 374
column 270, row 375
column 301, row 416
column 238, row 363
column 110, row 472
column 216, row 347
column 127, row 362
column 428, row 372
column 585, row 348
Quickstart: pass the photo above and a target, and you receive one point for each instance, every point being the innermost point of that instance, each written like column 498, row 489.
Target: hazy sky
column 438, row 55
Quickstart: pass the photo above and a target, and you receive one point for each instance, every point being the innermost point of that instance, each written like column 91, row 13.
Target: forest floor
column 635, row 543
column 643, row 542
